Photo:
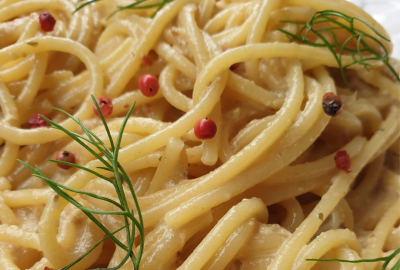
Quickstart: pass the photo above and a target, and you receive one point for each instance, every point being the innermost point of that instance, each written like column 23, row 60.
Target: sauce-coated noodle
column 263, row 193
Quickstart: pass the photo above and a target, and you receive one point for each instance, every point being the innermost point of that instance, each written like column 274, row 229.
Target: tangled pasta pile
column 264, row 193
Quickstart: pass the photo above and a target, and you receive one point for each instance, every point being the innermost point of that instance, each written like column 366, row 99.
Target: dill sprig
column 363, row 54
column 110, row 161
column 386, row 260
column 80, row 6
column 136, row 5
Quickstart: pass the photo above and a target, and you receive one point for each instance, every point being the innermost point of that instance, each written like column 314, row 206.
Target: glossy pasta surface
column 264, row 193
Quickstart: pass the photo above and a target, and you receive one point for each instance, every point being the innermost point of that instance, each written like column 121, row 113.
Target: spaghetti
column 262, row 192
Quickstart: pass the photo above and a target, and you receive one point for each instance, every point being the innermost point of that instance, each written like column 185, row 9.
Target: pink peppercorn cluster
column 65, row 156
column 105, row 106
column 148, row 85
column 36, row 121
column 332, row 104
column 205, row 129
column 47, row 22
column 342, row 161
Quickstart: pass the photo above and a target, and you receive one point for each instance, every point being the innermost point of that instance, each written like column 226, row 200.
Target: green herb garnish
column 358, row 53
column 32, row 43
column 386, row 260
column 110, row 160
column 84, row 4
column 136, row 5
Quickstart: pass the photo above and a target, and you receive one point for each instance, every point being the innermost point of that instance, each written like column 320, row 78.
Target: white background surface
column 387, row 13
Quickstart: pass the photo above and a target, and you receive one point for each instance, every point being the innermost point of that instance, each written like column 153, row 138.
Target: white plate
column 387, row 13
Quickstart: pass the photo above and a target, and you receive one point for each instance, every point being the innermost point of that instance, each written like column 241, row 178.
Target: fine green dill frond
column 136, row 5
column 110, row 160
column 84, row 4
column 386, row 260
column 363, row 54
column 90, row 250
